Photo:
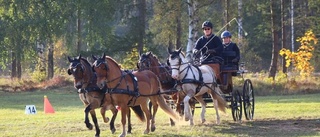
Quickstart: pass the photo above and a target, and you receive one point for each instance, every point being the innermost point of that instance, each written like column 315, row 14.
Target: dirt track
column 272, row 127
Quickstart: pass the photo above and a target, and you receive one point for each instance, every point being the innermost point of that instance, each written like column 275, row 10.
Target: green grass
column 290, row 115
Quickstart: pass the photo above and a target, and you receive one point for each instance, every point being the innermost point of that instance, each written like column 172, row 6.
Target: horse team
column 105, row 84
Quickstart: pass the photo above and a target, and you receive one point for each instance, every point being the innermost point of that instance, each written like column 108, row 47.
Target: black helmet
column 225, row 34
column 207, row 24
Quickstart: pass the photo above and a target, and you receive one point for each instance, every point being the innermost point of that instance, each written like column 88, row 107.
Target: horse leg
column 153, row 115
column 129, row 121
column 148, row 115
column 95, row 121
column 86, row 118
column 203, row 107
column 215, row 104
column 124, row 110
column 103, row 114
column 186, row 108
column 114, row 116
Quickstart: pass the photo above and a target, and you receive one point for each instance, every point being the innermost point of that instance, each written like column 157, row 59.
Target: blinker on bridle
column 174, row 56
column 74, row 66
column 145, row 61
column 100, row 61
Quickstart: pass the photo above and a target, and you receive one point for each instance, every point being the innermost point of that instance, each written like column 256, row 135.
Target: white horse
column 195, row 82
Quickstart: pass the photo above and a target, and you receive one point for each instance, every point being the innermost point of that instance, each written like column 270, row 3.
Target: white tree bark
column 240, row 20
column 292, row 26
column 193, row 22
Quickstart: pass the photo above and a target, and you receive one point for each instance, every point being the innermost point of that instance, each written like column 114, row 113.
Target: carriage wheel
column 248, row 99
column 236, row 105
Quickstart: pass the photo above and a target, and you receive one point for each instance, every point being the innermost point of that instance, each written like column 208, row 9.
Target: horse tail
column 139, row 113
column 222, row 103
column 163, row 105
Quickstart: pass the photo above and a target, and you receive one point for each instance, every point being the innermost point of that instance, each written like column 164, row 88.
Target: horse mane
column 87, row 64
column 86, row 61
column 155, row 58
column 114, row 61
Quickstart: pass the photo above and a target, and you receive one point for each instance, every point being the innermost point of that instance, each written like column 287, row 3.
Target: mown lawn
column 290, row 115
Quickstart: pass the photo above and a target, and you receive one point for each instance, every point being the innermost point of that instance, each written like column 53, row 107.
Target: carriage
column 239, row 100
column 236, row 100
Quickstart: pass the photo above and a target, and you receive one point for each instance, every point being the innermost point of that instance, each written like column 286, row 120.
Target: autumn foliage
column 301, row 58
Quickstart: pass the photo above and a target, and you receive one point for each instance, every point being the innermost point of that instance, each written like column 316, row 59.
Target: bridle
column 101, row 61
column 74, row 68
column 145, row 63
column 179, row 65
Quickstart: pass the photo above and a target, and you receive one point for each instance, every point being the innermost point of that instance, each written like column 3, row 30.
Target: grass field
column 290, row 115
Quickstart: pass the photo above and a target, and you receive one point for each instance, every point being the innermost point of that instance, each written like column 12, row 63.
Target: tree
column 275, row 40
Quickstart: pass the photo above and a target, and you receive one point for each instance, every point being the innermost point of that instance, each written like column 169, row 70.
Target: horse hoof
column 172, row 124
column 191, row 123
column 146, row 132
column 97, row 136
column 122, row 135
column 90, row 127
column 186, row 119
column 106, row 120
column 129, row 132
column 153, row 128
column 218, row 122
column 203, row 120
column 113, row 130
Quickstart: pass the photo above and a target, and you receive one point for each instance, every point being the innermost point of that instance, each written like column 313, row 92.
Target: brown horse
column 149, row 61
column 127, row 88
column 91, row 95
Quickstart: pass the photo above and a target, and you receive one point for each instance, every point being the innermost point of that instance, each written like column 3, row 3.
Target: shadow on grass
column 271, row 127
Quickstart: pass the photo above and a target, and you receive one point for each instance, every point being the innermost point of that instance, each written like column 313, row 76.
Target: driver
column 210, row 46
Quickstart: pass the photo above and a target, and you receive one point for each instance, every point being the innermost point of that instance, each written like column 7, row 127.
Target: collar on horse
column 117, row 90
column 194, row 80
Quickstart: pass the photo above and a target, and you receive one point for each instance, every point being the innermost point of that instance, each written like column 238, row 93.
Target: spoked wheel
column 248, row 99
column 236, row 105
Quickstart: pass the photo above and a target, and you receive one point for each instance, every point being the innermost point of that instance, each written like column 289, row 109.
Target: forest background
column 36, row 36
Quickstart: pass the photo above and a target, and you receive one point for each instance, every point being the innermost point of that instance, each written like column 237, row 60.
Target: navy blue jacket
column 214, row 44
column 232, row 47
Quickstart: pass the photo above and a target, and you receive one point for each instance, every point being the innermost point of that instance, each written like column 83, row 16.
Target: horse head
column 145, row 61
column 78, row 71
column 100, row 66
column 175, row 60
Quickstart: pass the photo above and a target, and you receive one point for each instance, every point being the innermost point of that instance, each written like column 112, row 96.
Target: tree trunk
column 275, row 39
column 79, row 30
column 179, row 32
column 142, row 24
column 50, row 61
column 226, row 13
column 13, row 65
column 283, row 36
column 240, row 22
column 19, row 70
column 292, row 24
column 193, row 22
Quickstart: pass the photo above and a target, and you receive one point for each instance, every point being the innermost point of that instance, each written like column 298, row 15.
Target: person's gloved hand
column 235, row 60
column 210, row 51
column 196, row 52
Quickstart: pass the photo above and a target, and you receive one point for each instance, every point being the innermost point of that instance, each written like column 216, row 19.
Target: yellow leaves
column 301, row 58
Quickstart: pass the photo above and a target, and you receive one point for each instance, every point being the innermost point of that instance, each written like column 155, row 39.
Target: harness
column 90, row 85
column 199, row 82
column 134, row 93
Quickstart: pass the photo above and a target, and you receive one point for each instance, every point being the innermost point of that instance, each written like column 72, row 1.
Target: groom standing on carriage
column 208, row 49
